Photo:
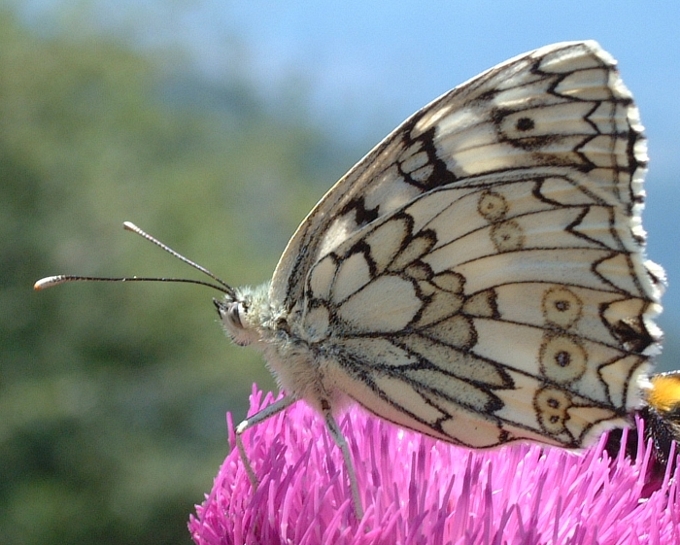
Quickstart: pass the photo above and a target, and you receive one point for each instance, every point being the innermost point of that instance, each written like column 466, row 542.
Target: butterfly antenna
column 129, row 226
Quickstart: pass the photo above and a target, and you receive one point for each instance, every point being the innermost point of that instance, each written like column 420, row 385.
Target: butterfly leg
column 257, row 418
column 340, row 440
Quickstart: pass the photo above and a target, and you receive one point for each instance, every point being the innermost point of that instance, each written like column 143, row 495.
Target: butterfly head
column 243, row 313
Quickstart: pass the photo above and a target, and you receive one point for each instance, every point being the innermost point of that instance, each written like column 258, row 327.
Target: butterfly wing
column 561, row 105
column 479, row 275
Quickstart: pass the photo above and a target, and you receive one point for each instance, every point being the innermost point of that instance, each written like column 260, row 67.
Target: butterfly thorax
column 250, row 318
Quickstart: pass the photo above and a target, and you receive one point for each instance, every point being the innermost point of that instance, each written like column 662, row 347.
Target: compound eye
column 234, row 314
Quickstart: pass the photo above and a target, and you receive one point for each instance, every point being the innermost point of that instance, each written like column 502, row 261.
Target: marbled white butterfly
column 479, row 276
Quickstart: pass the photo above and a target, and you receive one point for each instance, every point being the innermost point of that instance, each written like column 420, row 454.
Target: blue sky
column 388, row 62
column 364, row 66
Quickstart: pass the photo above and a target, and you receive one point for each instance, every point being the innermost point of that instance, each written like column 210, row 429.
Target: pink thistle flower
column 417, row 490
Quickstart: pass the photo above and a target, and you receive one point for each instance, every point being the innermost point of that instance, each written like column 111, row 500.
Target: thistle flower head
column 418, row 490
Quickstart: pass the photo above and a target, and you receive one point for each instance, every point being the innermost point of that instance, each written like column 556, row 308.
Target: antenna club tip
column 48, row 282
column 129, row 226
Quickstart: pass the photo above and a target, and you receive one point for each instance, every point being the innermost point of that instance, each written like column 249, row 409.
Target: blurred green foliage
column 112, row 397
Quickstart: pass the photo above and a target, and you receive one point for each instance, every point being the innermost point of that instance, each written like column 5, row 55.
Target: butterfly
column 479, row 276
